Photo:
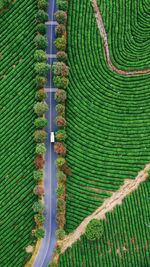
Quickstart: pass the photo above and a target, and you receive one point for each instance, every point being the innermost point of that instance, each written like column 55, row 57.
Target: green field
column 108, row 128
column 17, row 94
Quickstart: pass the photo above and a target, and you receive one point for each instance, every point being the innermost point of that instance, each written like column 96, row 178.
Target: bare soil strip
column 103, row 34
column 108, row 205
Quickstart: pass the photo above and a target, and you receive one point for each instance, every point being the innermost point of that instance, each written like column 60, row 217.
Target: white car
column 52, row 137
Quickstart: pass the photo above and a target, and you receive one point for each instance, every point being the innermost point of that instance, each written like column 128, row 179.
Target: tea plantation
column 17, row 94
column 108, row 129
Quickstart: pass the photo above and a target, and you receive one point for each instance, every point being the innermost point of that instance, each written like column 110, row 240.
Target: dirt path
column 103, row 34
column 108, row 205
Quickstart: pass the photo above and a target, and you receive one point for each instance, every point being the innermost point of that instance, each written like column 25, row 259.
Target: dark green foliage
column 61, row 82
column 42, row 43
column 40, row 108
column 61, row 43
column 60, row 234
column 94, row 230
column 60, row 96
column 40, row 81
column 40, row 123
column 61, row 17
column 42, row 69
column 38, row 175
column 41, row 95
column 62, row 5
column 61, row 135
column 41, row 28
column 43, row 4
column 38, row 207
column 42, row 16
column 40, row 136
column 61, row 204
column 60, row 109
column 62, row 56
column 39, row 218
column 60, row 162
column 61, row 177
column 60, row 191
column 40, row 56
column 39, row 233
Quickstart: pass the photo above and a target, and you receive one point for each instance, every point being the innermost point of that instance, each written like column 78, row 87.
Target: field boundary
column 103, row 33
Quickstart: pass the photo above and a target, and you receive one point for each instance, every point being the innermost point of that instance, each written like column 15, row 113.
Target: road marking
column 51, row 22
column 50, row 90
column 51, row 55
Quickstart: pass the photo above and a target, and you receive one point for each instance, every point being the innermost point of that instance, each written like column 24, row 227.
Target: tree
column 61, row 205
column 94, row 230
column 61, row 135
column 62, row 5
column 60, row 30
column 60, row 191
column 39, row 233
column 40, row 122
column 61, row 176
column 39, row 219
column 40, row 56
column 60, row 69
column 41, row 68
column 60, row 109
column 38, row 207
column 60, row 234
column 39, row 190
column 62, row 56
column 40, row 136
column 40, row 81
column 41, row 28
column 60, row 82
column 42, row 4
column 60, row 219
column 40, row 149
column 41, row 42
column 60, row 96
column 38, row 175
column 61, row 43
column 60, row 162
column 65, row 168
column 42, row 16
column 61, row 122
column 40, row 108
column 60, row 148
column 61, row 17
column 39, row 162
column 41, row 95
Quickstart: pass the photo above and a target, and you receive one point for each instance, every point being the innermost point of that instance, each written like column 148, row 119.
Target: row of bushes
column 60, row 79
column 40, row 107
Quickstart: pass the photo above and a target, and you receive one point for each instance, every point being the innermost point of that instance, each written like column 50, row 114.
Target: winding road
column 48, row 243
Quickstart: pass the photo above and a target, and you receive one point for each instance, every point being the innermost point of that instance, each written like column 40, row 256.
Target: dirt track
column 103, row 34
column 108, row 205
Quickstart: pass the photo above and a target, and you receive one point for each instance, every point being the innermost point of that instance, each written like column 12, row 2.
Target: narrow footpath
column 108, row 205
column 45, row 252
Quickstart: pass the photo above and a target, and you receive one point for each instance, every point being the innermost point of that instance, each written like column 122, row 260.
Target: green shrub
column 40, row 136
column 38, row 207
column 40, row 149
column 61, row 177
column 41, row 95
column 38, row 175
column 40, row 108
column 39, row 218
column 60, row 234
column 60, row 191
column 62, row 56
column 39, row 233
column 43, row 4
column 40, row 56
column 60, row 82
column 61, row 205
column 60, row 109
column 60, row 69
column 62, row 5
column 40, row 81
column 41, row 28
column 60, row 30
column 42, row 68
column 61, row 135
column 40, row 123
column 61, row 43
column 94, row 230
column 41, row 42
column 60, row 96
column 61, row 17
column 42, row 16
column 60, row 162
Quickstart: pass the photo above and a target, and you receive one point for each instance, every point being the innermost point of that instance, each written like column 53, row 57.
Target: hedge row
column 60, row 79
column 40, row 107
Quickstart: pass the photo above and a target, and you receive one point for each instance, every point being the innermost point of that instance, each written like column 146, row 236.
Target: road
column 48, row 243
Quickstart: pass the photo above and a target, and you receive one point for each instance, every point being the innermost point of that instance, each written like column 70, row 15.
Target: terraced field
column 126, row 239
column 107, row 113
column 17, row 94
